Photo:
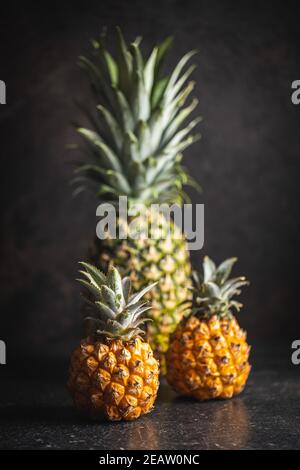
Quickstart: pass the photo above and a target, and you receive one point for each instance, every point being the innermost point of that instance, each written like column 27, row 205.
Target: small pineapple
column 113, row 372
column 134, row 148
column 208, row 353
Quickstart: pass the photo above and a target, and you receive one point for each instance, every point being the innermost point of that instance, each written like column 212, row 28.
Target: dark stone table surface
column 36, row 413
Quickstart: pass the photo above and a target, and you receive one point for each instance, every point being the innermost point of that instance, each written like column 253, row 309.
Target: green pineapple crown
column 137, row 138
column 214, row 290
column 115, row 312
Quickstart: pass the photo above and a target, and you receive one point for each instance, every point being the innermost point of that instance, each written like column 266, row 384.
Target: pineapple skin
column 208, row 358
column 113, row 378
column 148, row 260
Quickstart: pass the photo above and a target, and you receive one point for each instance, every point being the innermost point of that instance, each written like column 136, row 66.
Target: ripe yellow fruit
column 113, row 372
column 208, row 358
column 208, row 353
column 114, row 378
column 163, row 260
column 134, row 150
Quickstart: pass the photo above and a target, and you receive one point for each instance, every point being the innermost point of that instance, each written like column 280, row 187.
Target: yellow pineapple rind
column 208, row 358
column 113, row 378
column 147, row 260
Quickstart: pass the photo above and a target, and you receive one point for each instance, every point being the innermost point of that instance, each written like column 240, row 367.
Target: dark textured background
column 247, row 161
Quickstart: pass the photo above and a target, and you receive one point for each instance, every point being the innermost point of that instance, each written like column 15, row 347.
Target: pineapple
column 113, row 372
column 208, row 353
column 134, row 149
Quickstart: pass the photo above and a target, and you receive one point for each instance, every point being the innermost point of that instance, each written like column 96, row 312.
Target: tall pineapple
column 134, row 149
column 113, row 372
column 208, row 353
